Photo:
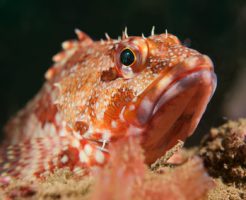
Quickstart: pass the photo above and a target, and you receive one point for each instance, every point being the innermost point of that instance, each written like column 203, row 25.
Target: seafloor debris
column 226, row 192
column 224, row 152
column 172, row 156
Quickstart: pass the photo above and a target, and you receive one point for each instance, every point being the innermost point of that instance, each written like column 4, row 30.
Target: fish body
column 100, row 91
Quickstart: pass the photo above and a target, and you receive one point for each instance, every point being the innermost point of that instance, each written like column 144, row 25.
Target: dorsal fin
column 70, row 45
column 83, row 37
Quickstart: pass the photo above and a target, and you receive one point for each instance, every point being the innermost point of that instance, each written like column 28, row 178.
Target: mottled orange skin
column 90, row 99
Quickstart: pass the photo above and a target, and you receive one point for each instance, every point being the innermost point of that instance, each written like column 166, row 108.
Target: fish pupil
column 127, row 57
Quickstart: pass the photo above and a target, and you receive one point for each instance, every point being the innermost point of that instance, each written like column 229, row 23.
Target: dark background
column 31, row 33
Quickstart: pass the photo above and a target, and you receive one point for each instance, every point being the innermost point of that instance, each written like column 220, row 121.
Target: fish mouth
column 172, row 106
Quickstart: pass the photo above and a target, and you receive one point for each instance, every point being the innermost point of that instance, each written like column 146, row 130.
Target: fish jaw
column 171, row 108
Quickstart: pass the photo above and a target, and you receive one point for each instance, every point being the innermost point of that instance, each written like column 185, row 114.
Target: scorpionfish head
column 151, row 87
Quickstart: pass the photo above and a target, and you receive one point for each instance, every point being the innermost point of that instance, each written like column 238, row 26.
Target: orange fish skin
column 99, row 91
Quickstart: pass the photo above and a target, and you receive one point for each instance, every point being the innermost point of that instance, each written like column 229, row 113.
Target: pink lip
column 184, row 84
column 171, row 109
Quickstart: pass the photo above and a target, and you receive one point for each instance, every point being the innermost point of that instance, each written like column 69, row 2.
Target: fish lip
column 164, row 120
column 147, row 108
column 182, row 84
column 167, row 125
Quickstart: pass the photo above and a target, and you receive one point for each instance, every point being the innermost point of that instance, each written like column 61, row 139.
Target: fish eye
column 130, row 57
column 127, row 57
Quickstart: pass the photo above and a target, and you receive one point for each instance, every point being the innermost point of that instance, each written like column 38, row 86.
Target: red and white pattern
column 88, row 101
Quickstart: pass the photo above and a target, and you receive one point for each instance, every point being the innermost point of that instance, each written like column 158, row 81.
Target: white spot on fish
column 99, row 157
column 121, row 114
column 88, row 149
column 106, row 135
column 83, row 157
column 131, row 107
column 76, row 143
column 64, row 159
column 114, row 124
